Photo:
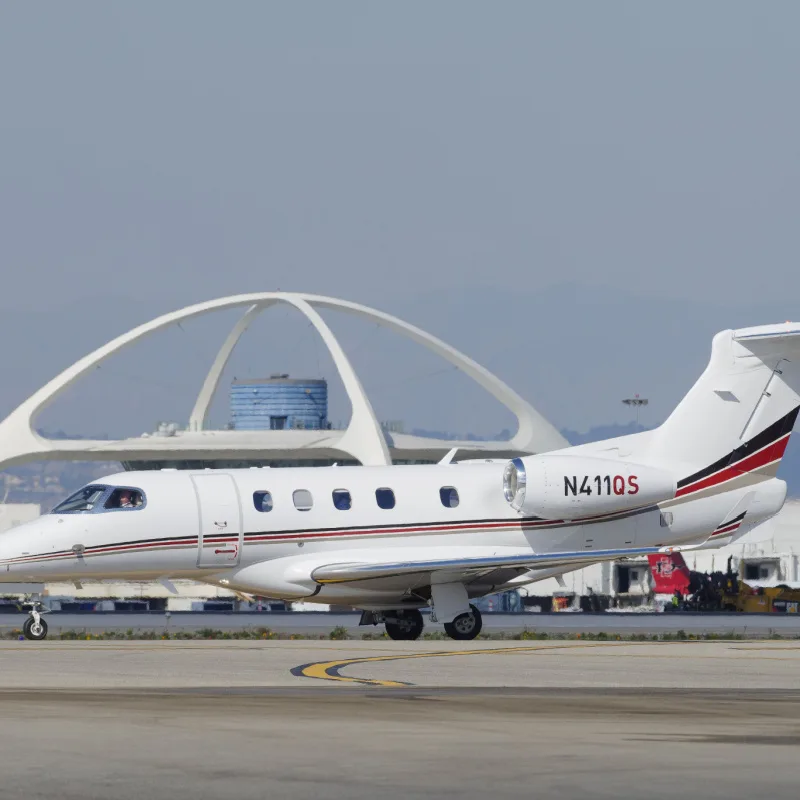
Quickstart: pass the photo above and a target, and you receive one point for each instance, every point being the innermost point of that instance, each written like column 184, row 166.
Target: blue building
column 279, row 403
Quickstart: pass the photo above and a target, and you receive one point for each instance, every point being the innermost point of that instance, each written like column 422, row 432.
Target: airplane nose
column 17, row 545
column 10, row 555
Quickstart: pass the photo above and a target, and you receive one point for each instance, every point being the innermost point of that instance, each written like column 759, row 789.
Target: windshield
column 83, row 500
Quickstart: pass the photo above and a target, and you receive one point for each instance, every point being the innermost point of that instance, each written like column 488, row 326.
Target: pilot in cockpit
column 124, row 498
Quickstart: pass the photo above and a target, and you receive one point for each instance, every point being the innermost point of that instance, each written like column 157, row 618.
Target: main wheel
column 465, row 626
column 406, row 625
column 34, row 630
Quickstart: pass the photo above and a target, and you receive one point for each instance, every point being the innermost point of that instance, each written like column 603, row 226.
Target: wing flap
column 348, row 572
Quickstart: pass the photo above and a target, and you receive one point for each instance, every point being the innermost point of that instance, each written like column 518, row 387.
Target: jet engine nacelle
column 571, row 487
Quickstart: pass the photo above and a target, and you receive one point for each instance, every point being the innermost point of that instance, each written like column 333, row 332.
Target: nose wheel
column 35, row 628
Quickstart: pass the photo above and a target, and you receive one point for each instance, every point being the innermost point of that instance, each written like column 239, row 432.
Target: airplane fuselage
column 263, row 531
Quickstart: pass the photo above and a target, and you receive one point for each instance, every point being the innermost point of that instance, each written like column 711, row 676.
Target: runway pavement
column 355, row 719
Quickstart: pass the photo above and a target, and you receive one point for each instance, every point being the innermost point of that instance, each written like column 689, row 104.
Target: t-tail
column 732, row 428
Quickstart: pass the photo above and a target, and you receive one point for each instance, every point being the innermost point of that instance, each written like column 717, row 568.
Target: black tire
column 33, row 631
column 406, row 626
column 465, row 626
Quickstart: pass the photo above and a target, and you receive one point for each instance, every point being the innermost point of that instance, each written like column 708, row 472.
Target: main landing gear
column 35, row 628
column 465, row 626
column 404, row 625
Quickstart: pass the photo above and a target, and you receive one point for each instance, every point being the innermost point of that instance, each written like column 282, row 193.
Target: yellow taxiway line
column 331, row 670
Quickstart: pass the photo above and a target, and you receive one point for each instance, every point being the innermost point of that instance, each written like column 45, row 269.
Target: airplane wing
column 347, row 572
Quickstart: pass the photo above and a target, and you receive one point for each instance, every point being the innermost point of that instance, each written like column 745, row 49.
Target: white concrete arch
column 363, row 438
column 534, row 432
column 199, row 416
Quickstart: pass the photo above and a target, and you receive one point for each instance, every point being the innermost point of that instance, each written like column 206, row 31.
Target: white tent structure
column 363, row 440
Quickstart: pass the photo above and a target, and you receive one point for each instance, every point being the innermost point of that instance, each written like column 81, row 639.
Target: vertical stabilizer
column 735, row 422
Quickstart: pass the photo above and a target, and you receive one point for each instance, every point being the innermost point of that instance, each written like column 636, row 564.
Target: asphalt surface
column 321, row 623
column 336, row 720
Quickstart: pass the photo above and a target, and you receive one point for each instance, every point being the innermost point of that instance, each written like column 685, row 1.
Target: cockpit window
column 123, row 498
column 90, row 500
column 83, row 500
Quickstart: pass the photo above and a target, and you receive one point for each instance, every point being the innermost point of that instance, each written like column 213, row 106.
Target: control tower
column 279, row 403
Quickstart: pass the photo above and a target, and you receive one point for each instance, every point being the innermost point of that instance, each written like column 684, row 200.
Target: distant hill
column 602, row 432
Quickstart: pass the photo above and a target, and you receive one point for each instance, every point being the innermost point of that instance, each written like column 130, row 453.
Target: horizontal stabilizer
column 780, row 339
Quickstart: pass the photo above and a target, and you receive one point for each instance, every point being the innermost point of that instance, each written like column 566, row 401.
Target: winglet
column 449, row 457
column 168, row 585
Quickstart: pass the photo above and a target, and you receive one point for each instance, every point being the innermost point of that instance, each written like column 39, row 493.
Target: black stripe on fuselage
column 398, row 526
column 457, row 525
column 732, row 521
column 434, row 528
column 769, row 435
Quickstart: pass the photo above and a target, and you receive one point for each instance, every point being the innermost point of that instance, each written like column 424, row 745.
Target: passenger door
column 220, row 539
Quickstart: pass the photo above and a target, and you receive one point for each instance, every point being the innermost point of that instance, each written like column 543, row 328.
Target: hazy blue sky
column 576, row 193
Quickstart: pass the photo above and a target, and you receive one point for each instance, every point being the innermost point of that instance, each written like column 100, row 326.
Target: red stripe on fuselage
column 729, row 529
column 430, row 528
column 101, row 549
column 771, row 453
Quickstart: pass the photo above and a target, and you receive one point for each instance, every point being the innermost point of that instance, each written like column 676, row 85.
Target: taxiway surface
column 354, row 719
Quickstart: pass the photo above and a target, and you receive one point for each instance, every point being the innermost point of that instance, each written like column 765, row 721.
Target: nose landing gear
column 35, row 628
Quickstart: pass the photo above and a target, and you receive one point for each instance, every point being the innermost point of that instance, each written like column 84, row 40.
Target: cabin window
column 342, row 499
column 449, row 496
column 262, row 501
column 384, row 498
column 123, row 498
column 81, row 501
column 303, row 501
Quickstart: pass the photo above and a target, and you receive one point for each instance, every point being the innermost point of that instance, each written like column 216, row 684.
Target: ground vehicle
column 718, row 591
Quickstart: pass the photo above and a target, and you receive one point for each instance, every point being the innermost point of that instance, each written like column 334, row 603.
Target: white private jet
column 394, row 540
